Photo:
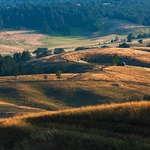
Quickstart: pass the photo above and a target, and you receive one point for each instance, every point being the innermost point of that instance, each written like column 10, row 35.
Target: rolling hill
column 113, row 84
column 114, row 126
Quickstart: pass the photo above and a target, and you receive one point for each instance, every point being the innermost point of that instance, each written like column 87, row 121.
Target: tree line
column 17, row 63
column 61, row 16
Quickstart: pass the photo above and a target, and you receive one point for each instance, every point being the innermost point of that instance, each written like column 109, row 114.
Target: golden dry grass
column 28, row 37
column 122, row 52
column 114, row 126
column 139, row 110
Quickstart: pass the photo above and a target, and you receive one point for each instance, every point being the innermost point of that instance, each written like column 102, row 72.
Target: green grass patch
column 8, row 42
column 56, row 41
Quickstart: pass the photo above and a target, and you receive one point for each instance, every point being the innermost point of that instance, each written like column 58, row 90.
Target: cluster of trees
column 16, row 64
column 63, row 15
column 42, row 52
column 130, row 37
column 11, row 65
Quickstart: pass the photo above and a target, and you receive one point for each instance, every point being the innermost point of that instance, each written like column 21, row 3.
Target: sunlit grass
column 114, row 126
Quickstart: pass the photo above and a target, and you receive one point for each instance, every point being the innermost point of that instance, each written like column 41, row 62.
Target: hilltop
column 87, row 60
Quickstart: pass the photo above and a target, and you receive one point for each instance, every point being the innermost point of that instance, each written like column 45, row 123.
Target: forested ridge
column 62, row 15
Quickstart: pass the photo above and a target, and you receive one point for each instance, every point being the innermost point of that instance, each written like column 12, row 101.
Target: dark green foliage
column 42, row 52
column 145, row 35
column 115, row 59
column 58, row 74
column 124, row 45
column 21, row 57
column 59, row 50
column 8, row 66
column 25, row 56
column 60, row 16
column 146, row 97
column 13, row 65
column 130, row 37
column 104, row 46
column 140, row 41
column 148, row 45
column 81, row 48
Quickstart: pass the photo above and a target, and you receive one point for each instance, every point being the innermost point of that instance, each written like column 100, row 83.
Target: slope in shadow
column 74, row 97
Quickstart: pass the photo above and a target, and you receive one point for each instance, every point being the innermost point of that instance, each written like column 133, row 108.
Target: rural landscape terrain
column 74, row 75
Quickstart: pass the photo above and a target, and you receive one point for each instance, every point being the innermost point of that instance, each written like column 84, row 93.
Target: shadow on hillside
column 108, row 59
column 74, row 97
column 10, row 92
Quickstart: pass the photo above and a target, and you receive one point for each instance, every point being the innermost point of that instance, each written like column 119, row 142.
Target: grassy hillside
column 114, row 126
column 86, row 60
column 113, row 84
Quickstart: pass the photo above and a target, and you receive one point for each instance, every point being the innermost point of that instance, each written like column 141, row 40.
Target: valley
column 74, row 75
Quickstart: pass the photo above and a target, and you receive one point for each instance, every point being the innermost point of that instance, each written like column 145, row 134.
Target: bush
column 124, row 45
column 81, row 48
column 148, row 45
column 59, row 50
column 115, row 59
column 42, row 52
column 146, row 97
column 104, row 46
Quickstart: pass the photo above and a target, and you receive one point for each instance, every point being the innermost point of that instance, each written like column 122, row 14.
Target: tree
column 124, row 45
column 42, row 52
column 45, row 77
column 146, row 97
column 25, row 56
column 115, row 59
column 1, row 24
column 58, row 50
column 17, row 56
column 148, row 45
column 116, row 38
column 130, row 37
column 58, row 74
column 140, row 41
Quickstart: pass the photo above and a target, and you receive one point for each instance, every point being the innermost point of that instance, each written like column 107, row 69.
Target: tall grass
column 107, row 127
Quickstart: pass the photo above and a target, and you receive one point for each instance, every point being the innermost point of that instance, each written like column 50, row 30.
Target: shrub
column 124, row 45
column 104, row 46
column 148, row 45
column 115, row 59
column 146, row 97
column 81, row 48
column 59, row 50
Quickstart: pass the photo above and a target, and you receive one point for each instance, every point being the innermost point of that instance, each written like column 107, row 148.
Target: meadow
column 19, row 40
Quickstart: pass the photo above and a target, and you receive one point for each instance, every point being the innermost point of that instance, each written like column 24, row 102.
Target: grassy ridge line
column 131, row 112
column 115, row 126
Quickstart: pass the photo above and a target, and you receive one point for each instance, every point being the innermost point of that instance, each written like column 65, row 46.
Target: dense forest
column 62, row 15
